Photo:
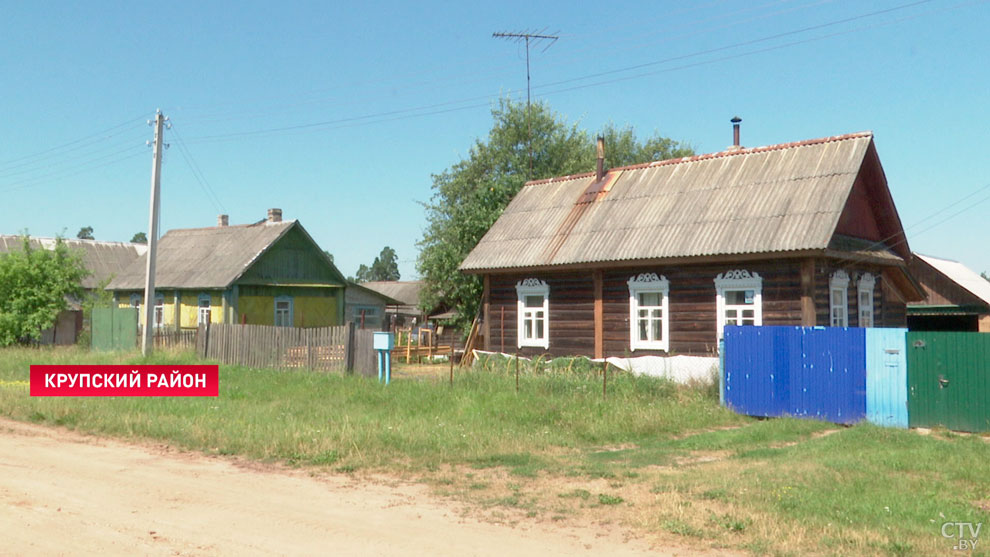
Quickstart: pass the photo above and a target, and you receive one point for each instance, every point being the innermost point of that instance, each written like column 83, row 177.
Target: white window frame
column 738, row 279
column 200, row 307
column 275, row 319
column 159, row 314
column 136, row 301
column 865, row 286
column 649, row 283
column 838, row 314
column 532, row 287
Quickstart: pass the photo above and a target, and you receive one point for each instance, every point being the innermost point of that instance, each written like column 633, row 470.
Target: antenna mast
column 517, row 38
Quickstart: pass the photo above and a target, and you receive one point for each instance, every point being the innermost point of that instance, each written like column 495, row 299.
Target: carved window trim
column 649, row 283
column 738, row 280
column 534, row 315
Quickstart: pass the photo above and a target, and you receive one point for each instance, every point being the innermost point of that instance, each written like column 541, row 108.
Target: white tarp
column 680, row 369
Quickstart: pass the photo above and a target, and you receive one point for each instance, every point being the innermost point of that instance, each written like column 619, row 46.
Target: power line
column 72, row 143
column 197, row 172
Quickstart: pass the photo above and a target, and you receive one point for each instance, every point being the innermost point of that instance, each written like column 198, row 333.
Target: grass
column 652, row 456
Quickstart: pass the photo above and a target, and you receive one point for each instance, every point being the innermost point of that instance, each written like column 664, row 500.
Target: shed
column 956, row 297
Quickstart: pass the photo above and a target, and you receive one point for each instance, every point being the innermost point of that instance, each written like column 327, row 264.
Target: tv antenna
column 527, row 38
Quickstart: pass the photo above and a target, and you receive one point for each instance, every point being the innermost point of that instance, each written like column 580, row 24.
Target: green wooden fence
column 949, row 380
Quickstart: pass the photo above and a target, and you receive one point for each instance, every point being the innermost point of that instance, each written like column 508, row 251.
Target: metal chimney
column 735, row 132
column 600, row 171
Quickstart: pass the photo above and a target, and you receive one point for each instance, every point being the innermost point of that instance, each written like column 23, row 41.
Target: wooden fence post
column 349, row 351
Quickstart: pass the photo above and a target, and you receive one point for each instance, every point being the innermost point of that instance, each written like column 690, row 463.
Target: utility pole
column 519, row 37
column 149, row 279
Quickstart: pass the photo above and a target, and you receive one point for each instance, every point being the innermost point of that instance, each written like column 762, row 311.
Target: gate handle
column 942, row 381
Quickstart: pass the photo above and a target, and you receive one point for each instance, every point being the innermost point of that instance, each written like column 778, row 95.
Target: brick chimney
column 223, row 220
column 274, row 215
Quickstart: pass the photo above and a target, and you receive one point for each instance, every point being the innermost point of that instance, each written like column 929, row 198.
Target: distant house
column 407, row 313
column 657, row 258
column 103, row 260
column 956, row 298
column 366, row 307
column 267, row 273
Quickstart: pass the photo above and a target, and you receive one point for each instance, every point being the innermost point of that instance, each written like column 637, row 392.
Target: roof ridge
column 249, row 225
column 708, row 156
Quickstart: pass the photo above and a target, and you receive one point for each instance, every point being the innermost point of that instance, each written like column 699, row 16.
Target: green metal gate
column 949, row 380
column 114, row 328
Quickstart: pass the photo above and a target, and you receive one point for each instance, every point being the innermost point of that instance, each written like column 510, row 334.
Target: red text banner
column 124, row 380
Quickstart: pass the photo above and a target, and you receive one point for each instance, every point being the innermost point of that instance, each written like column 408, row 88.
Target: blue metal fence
column 811, row 372
column 886, row 377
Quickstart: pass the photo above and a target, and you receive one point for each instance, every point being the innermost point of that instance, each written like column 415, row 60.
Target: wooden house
column 366, row 307
column 956, row 297
column 407, row 312
column 656, row 258
column 267, row 273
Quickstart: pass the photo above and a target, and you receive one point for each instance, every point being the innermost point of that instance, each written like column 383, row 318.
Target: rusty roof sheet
column 762, row 200
column 102, row 259
column 209, row 258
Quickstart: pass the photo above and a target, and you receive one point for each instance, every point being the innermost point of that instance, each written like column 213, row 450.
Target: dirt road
column 64, row 493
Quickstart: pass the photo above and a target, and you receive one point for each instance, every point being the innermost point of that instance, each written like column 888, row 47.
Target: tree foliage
column 139, row 238
column 384, row 267
column 34, row 284
column 470, row 195
column 85, row 233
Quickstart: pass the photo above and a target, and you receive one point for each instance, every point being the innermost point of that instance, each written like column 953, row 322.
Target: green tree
column 384, row 267
column 85, row 233
column 34, row 284
column 139, row 238
column 470, row 195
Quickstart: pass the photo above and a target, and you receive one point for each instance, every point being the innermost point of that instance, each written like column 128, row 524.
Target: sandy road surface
column 64, row 493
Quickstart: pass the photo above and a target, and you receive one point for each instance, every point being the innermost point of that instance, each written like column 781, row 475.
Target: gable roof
column 406, row 291
column 775, row 199
column 102, row 259
column 208, row 258
column 960, row 274
column 387, row 300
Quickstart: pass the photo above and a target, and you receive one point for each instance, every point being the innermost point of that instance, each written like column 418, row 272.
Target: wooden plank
column 808, row 315
column 485, row 306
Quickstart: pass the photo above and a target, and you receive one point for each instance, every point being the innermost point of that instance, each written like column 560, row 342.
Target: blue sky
column 339, row 114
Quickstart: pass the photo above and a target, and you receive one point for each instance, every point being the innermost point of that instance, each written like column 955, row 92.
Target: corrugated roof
column 204, row 257
column 406, row 291
column 387, row 300
column 102, row 259
column 961, row 275
column 778, row 198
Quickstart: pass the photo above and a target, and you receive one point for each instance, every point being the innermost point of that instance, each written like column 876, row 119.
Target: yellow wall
column 307, row 311
column 256, row 310
column 189, row 312
column 314, row 312
column 188, row 308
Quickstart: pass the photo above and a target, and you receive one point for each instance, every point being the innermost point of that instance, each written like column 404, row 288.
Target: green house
column 267, row 273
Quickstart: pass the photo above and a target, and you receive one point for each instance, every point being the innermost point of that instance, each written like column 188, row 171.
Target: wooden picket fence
column 336, row 349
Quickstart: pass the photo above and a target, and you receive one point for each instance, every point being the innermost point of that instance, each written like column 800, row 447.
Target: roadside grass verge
column 652, row 456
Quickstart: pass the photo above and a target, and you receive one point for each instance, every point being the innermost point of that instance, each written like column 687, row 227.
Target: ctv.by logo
column 964, row 533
